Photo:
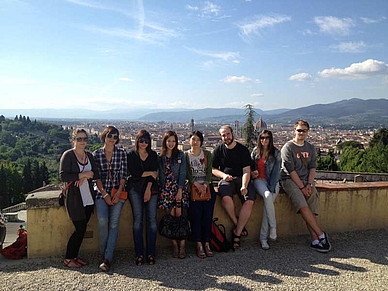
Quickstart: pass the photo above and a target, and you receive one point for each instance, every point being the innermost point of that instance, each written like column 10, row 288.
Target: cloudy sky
column 101, row 55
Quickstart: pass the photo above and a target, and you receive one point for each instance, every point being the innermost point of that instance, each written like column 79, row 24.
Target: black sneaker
column 319, row 248
column 325, row 242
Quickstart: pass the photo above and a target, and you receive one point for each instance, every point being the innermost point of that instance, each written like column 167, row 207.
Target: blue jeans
column 201, row 217
column 138, row 207
column 108, row 217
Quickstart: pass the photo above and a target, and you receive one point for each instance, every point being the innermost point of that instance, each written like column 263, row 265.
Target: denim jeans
column 108, row 217
column 138, row 208
column 269, row 219
column 201, row 217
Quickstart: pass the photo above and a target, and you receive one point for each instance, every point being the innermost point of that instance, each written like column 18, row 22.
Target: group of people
column 109, row 176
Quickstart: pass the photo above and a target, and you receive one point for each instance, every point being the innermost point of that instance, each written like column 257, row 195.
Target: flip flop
column 244, row 232
column 236, row 240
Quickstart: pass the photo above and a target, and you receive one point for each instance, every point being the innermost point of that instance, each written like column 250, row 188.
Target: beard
column 229, row 140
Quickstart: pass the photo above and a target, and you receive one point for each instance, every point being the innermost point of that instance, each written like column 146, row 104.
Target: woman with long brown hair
column 172, row 178
column 267, row 161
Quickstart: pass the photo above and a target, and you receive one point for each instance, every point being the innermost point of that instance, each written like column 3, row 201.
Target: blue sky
column 274, row 54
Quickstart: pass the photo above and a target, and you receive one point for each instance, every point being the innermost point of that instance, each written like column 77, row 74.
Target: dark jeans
column 77, row 237
column 201, row 217
column 138, row 208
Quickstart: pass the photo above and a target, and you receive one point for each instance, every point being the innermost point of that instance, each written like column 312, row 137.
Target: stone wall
column 343, row 207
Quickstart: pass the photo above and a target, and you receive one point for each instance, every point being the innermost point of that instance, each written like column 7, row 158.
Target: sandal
column 175, row 252
column 236, row 240
column 151, row 260
column 244, row 232
column 182, row 252
column 200, row 252
column 139, row 261
column 82, row 262
column 71, row 263
column 208, row 250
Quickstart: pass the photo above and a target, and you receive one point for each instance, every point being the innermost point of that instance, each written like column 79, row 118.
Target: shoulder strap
column 304, row 160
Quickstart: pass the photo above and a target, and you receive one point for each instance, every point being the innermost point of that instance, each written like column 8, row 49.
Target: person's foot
column 151, row 260
column 175, row 251
column 139, row 260
column 325, row 242
column 200, row 251
column 236, row 240
column 105, row 265
column 264, row 244
column 81, row 261
column 71, row 263
column 319, row 248
column 182, row 252
column 208, row 250
column 244, row 232
column 272, row 233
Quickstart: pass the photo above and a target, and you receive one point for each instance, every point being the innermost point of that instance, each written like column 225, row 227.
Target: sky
column 272, row 54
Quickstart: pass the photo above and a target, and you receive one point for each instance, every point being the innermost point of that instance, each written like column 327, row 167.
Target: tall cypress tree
column 28, row 184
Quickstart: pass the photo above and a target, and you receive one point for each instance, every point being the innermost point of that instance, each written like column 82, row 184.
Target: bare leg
column 244, row 215
column 311, row 222
column 227, row 203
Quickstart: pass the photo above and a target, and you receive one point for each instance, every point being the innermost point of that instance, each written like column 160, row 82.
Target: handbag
column 174, row 227
column 196, row 195
column 62, row 195
column 123, row 194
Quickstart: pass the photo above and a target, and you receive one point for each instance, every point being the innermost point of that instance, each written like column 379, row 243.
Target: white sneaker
column 264, row 244
column 272, row 233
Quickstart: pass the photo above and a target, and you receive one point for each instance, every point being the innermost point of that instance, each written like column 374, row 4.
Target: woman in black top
column 142, row 169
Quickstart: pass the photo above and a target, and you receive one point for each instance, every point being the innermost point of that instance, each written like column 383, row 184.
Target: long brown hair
column 271, row 147
column 175, row 150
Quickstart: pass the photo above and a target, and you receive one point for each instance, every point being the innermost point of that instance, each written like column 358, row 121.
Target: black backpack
column 218, row 240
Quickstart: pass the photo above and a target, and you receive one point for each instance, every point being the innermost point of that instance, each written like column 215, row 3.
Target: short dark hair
column 197, row 133
column 110, row 129
column 143, row 134
column 301, row 122
column 226, row 127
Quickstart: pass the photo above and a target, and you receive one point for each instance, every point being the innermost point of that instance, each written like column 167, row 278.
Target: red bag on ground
column 18, row 249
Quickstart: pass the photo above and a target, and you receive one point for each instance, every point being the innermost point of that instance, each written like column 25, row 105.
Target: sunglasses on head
column 144, row 140
column 114, row 136
column 264, row 137
column 79, row 139
column 302, row 130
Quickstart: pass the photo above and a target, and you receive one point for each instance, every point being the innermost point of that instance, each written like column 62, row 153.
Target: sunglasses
column 114, row 136
column 144, row 140
column 265, row 137
column 79, row 139
column 302, row 130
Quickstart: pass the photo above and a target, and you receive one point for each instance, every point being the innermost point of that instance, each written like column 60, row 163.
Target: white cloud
column 300, row 77
column 241, row 79
column 241, row 104
column 208, row 9
column 256, row 95
column 257, row 23
column 334, row 25
column 356, row 71
column 224, row 56
column 370, row 20
column 350, row 47
column 126, row 79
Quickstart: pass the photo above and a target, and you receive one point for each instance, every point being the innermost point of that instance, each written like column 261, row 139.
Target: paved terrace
column 358, row 261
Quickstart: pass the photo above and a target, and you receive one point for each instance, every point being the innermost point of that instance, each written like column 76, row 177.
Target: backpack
column 218, row 240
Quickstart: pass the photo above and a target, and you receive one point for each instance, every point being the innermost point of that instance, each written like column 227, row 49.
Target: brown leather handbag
column 197, row 196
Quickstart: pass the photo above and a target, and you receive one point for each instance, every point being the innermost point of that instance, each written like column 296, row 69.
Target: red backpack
column 218, row 240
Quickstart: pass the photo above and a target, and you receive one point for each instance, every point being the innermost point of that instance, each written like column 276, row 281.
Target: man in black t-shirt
column 231, row 163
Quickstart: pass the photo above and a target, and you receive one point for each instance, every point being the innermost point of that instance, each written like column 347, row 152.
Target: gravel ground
column 358, row 261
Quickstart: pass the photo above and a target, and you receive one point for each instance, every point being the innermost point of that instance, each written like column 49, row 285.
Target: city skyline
column 104, row 55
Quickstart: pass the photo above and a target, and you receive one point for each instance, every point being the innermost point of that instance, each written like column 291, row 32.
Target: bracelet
column 301, row 188
column 103, row 197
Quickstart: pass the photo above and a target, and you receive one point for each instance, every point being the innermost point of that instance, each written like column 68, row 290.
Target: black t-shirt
column 231, row 161
column 136, row 166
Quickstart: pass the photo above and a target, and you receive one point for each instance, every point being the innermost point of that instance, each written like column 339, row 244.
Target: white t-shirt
column 198, row 167
column 87, row 198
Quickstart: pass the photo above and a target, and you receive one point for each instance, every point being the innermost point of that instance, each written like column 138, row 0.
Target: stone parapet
column 343, row 207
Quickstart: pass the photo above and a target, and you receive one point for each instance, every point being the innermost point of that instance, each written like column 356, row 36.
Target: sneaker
column 272, row 233
column 105, row 265
column 319, row 248
column 264, row 244
column 325, row 242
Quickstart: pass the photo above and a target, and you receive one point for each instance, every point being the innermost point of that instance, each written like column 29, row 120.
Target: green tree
column 380, row 136
column 28, row 183
column 248, row 129
column 351, row 159
column 327, row 163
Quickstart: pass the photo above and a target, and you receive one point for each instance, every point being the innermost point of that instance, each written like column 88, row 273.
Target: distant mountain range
column 353, row 112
